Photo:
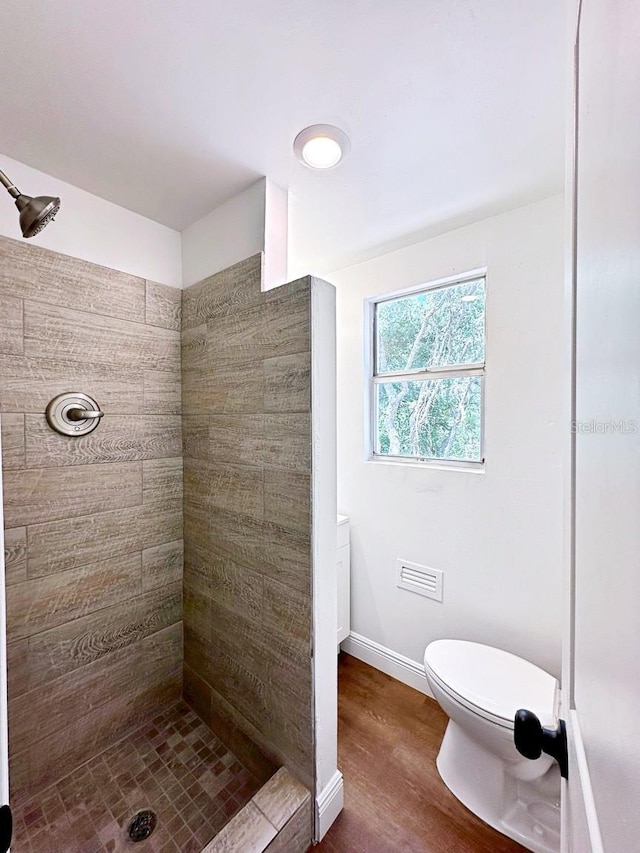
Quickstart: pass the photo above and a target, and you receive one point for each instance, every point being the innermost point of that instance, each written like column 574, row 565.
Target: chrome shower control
column 73, row 413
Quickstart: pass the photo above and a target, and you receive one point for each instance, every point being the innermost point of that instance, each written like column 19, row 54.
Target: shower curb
column 278, row 819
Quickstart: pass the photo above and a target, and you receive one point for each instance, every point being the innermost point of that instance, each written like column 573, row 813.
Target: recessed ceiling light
column 321, row 146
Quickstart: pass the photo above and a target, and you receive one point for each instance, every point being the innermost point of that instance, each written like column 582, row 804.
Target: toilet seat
column 492, row 683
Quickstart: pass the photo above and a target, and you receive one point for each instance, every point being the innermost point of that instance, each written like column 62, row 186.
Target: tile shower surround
column 247, row 510
column 94, row 526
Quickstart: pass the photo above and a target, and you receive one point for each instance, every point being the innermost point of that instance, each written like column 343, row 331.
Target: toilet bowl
column 480, row 688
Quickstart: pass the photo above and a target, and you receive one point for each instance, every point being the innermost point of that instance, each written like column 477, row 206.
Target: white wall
column 497, row 535
column 251, row 222
column 99, row 231
column 607, row 480
column 228, row 234
column 329, row 791
column 90, row 228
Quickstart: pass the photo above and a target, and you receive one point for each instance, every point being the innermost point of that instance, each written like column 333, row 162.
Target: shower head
column 35, row 213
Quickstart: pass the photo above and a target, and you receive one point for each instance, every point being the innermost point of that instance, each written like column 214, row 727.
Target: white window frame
column 372, row 379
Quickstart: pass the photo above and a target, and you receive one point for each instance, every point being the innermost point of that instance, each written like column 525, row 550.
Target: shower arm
column 11, row 188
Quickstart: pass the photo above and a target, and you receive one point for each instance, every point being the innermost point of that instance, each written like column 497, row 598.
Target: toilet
column 480, row 688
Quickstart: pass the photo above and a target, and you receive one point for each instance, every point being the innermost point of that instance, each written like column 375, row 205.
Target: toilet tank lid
column 493, row 680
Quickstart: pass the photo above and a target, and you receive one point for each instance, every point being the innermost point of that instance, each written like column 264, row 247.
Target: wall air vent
column 420, row 579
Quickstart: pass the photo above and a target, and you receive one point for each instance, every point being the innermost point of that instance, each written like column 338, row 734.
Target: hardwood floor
column 395, row 801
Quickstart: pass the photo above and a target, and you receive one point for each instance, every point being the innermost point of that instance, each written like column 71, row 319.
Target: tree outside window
column 428, row 373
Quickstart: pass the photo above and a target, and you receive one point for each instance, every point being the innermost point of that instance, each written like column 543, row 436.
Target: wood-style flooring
column 395, row 801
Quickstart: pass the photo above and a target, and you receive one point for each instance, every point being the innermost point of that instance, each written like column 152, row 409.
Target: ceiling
column 454, row 108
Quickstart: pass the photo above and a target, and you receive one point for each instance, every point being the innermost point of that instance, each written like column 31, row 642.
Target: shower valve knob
column 531, row 739
column 77, row 413
column 73, row 414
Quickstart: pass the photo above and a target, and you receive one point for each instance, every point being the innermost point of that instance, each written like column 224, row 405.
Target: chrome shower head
column 35, row 213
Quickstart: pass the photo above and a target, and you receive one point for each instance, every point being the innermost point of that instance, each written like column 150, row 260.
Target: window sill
column 440, row 465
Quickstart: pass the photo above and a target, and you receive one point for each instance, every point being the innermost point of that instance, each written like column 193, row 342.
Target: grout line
column 80, row 466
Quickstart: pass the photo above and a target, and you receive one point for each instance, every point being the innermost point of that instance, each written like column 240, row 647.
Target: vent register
column 420, row 579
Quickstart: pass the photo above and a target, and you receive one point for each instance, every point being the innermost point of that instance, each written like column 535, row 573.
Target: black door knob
column 6, row 828
column 531, row 739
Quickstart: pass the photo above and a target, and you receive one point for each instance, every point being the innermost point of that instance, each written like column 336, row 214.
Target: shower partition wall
column 101, row 742
column 246, row 369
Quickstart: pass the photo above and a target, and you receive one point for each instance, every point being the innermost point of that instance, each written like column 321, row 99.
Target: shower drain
column 142, row 825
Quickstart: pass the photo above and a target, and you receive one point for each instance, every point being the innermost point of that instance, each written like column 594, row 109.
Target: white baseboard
column 329, row 803
column 386, row 660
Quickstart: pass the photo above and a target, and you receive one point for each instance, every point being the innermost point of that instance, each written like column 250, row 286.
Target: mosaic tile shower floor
column 173, row 765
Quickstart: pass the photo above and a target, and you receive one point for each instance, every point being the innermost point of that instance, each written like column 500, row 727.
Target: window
column 427, row 378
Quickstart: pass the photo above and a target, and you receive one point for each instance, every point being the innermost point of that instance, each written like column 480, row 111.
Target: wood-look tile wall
column 247, row 516
column 93, row 524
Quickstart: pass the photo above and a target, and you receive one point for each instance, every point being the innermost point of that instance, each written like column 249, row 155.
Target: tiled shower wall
column 93, row 524
column 247, row 460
